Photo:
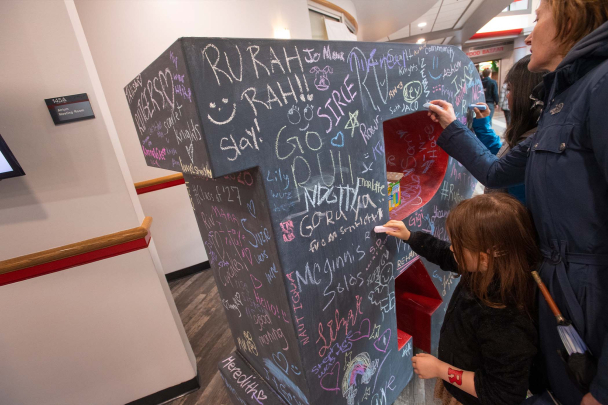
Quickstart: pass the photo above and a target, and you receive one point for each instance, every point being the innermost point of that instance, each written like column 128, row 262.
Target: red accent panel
column 417, row 299
column 73, row 261
column 144, row 190
column 402, row 338
column 492, row 34
column 411, row 148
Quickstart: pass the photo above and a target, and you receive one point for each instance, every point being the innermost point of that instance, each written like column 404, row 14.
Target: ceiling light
column 422, row 24
column 421, row 40
column 282, row 33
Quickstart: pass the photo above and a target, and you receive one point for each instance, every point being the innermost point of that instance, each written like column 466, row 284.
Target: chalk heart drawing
column 363, row 332
column 190, row 150
column 338, row 140
column 331, row 380
column 381, row 344
column 279, row 359
column 251, row 208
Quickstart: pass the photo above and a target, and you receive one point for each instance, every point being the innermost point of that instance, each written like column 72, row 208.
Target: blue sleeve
column 486, row 134
column 465, row 147
column 598, row 122
column 496, row 92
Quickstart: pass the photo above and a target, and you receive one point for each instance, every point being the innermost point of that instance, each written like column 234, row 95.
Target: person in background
column 503, row 103
column 565, row 168
column 490, row 89
column 526, row 107
column 488, row 338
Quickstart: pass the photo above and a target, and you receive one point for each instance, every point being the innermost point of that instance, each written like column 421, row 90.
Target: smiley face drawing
column 294, row 116
column 213, row 106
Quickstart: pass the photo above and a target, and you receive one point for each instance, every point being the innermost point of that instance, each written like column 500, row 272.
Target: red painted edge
column 492, row 34
column 402, row 339
column 73, row 261
column 144, row 190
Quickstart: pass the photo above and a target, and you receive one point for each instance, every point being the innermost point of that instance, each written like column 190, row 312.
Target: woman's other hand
column 402, row 232
column 482, row 114
column 442, row 112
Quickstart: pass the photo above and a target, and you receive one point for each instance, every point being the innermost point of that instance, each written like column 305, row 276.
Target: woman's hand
column 442, row 112
column 426, row 366
column 402, row 232
column 589, row 400
column 482, row 114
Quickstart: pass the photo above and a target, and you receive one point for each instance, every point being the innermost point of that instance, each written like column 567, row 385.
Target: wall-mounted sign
column 70, row 108
column 485, row 51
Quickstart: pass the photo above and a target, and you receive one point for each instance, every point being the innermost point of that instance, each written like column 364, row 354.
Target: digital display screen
column 9, row 167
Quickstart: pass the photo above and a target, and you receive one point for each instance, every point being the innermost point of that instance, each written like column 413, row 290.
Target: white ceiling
column 387, row 20
column 379, row 18
column 442, row 15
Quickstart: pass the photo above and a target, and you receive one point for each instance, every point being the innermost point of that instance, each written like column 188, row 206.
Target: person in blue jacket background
column 526, row 112
column 565, row 168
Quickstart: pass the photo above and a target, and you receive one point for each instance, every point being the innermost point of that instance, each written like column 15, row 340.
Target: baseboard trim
column 169, row 394
column 188, row 271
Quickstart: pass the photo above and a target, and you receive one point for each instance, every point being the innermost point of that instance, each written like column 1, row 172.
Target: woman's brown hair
column 500, row 226
column 524, row 112
column 575, row 19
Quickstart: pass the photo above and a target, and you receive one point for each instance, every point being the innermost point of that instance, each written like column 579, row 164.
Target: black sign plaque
column 70, row 108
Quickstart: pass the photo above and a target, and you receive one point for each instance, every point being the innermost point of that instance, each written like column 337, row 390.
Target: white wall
column 125, row 37
column 106, row 332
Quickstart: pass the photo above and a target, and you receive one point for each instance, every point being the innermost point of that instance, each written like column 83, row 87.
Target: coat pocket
column 554, row 139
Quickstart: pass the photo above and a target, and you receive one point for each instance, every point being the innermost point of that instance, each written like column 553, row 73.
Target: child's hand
column 401, row 233
column 442, row 112
column 482, row 114
column 426, row 366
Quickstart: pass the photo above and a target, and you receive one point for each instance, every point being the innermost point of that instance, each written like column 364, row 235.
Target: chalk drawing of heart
column 309, row 97
column 190, row 150
column 251, row 208
column 256, row 283
column 331, row 380
column 338, row 140
column 363, row 332
column 381, row 344
column 279, row 359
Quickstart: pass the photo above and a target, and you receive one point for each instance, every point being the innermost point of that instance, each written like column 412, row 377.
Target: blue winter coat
column 565, row 168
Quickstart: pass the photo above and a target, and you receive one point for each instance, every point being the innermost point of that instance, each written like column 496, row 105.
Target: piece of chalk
column 383, row 229
column 427, row 105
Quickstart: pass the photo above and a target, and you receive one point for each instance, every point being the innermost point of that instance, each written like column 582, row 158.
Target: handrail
column 159, row 183
column 339, row 9
column 78, row 248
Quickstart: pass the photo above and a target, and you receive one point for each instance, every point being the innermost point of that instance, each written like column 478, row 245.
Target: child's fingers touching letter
column 402, row 232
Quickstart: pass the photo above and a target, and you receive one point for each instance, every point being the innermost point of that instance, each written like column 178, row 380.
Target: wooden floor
column 203, row 316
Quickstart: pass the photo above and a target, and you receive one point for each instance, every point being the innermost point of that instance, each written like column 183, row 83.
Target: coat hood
column 594, row 45
column 584, row 56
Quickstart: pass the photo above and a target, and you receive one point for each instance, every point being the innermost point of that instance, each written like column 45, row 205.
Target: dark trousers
column 507, row 116
column 492, row 109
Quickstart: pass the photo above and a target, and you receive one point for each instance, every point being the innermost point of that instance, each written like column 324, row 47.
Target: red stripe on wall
column 155, row 187
column 492, row 34
column 73, row 261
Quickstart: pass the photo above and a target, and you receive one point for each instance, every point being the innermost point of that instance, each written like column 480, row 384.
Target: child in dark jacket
column 488, row 338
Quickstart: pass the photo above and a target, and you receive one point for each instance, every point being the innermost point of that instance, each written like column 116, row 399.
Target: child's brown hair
column 499, row 225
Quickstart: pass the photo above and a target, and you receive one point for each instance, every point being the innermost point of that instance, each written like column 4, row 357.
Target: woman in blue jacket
column 526, row 110
column 565, row 168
